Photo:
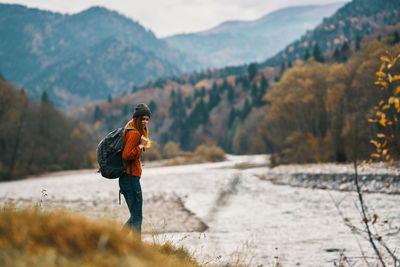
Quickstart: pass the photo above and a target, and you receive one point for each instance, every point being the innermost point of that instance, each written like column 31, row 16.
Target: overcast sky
column 167, row 17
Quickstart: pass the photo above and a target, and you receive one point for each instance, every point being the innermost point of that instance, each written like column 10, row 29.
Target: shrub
column 153, row 153
column 172, row 150
column 210, row 153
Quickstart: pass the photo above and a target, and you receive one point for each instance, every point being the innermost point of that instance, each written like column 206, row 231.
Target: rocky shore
column 375, row 178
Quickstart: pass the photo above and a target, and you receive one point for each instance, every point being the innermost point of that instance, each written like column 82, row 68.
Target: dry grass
column 201, row 154
column 31, row 237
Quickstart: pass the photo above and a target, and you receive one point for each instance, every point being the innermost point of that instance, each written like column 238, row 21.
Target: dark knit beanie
column 141, row 110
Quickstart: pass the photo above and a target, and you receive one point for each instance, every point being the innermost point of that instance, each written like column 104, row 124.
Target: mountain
column 229, row 107
column 241, row 42
column 35, row 43
column 106, row 69
column 346, row 27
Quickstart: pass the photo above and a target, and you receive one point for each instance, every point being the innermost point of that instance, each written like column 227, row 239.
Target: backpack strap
column 129, row 162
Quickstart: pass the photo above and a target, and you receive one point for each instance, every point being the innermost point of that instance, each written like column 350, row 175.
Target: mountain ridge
column 241, row 42
column 352, row 21
column 37, row 40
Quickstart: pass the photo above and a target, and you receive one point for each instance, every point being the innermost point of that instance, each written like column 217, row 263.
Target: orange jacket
column 132, row 152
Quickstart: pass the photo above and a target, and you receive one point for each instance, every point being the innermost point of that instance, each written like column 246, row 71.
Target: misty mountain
column 36, row 44
column 106, row 69
column 242, row 42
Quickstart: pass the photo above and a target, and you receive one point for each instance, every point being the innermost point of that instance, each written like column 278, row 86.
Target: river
column 250, row 220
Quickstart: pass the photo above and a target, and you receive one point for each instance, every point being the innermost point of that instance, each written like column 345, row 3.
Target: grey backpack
column 109, row 154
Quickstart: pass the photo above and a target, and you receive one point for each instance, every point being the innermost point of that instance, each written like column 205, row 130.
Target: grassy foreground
column 31, row 237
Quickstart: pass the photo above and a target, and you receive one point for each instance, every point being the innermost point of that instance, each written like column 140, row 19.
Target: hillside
column 37, row 42
column 70, row 239
column 108, row 68
column 241, row 42
column 234, row 108
column 347, row 27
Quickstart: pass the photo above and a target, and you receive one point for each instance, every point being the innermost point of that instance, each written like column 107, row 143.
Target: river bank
column 374, row 178
column 223, row 213
column 86, row 192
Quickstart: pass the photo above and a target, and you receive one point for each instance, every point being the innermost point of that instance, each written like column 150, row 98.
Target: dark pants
column 132, row 191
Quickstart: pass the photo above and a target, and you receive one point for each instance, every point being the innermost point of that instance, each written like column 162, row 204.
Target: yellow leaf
column 387, row 157
column 385, row 58
column 383, row 121
column 384, row 143
column 375, row 143
column 383, row 83
column 393, row 61
column 390, row 78
column 383, row 65
column 384, row 152
column 381, row 102
column 371, row 120
column 397, row 91
column 380, row 135
column 396, row 78
column 369, row 161
column 381, row 74
column 389, row 123
column 391, row 100
column 374, row 155
column 385, row 107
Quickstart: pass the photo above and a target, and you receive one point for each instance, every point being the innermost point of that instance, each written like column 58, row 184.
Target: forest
column 302, row 111
column 316, row 108
column 37, row 137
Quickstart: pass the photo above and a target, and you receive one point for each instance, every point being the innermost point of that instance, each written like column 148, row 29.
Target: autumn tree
column 36, row 137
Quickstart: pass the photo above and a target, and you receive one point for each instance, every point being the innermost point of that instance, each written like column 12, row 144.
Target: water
column 250, row 220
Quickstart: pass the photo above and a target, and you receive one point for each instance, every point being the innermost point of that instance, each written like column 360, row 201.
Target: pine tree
column 317, row 54
column 153, row 106
column 396, row 38
column 358, row 41
column 252, row 71
column 345, row 52
column 231, row 94
column 246, row 109
column 44, row 99
column 97, row 114
column 231, row 118
column 282, row 68
column 306, row 55
column 336, row 55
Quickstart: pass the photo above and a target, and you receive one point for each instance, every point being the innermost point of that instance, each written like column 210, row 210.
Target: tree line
column 301, row 111
column 316, row 109
column 37, row 138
